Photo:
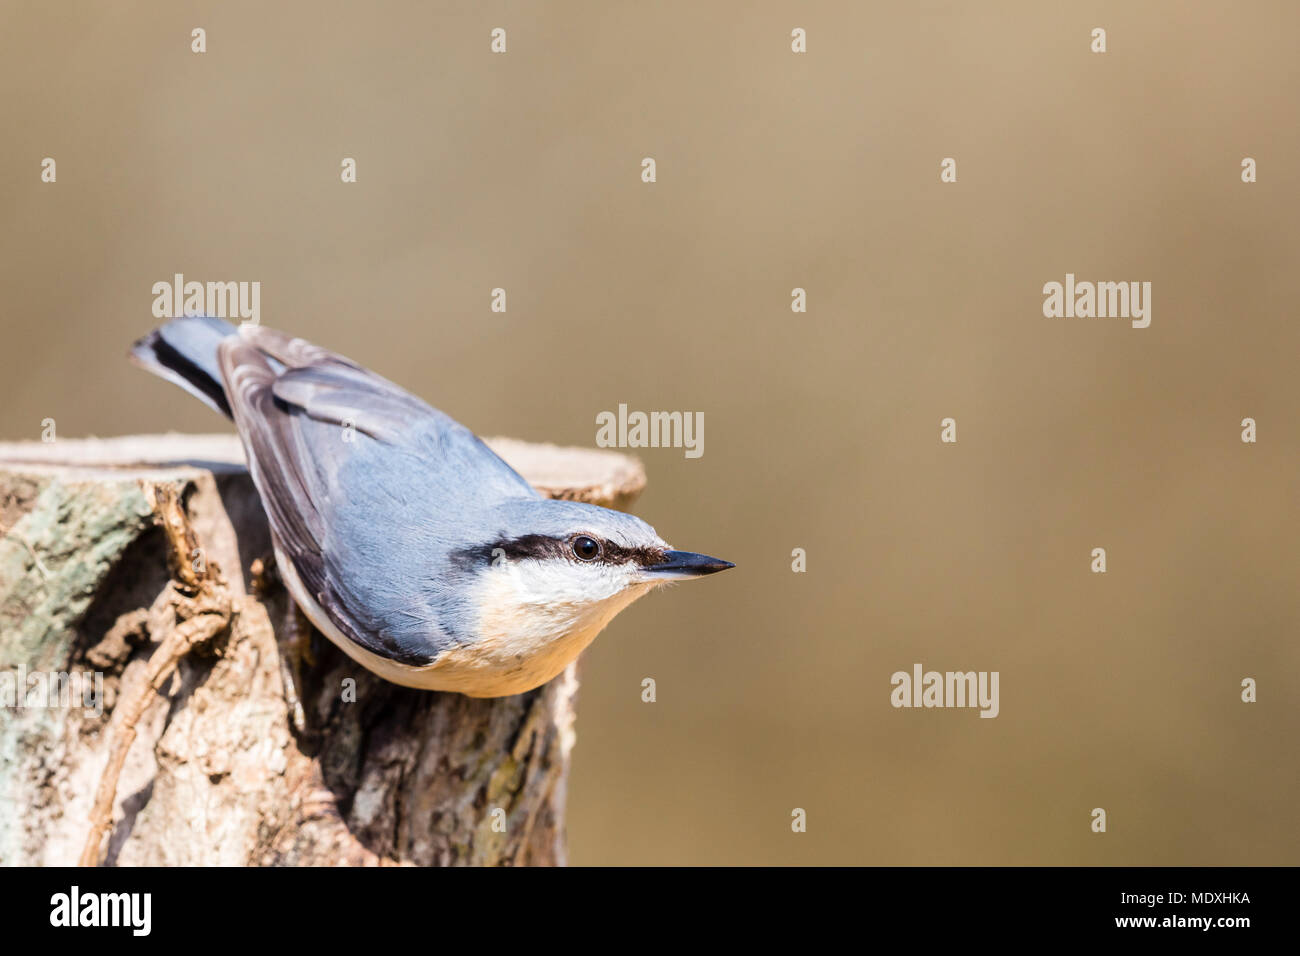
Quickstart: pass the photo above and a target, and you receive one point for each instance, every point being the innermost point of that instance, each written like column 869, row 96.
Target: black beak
column 687, row 564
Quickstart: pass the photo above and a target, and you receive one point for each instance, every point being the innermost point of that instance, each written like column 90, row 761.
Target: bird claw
column 295, row 648
column 293, row 640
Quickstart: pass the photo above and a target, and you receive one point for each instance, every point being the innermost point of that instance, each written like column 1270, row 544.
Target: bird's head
column 557, row 571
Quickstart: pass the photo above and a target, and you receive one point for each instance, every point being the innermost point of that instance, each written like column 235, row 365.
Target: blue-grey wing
column 337, row 391
column 366, row 487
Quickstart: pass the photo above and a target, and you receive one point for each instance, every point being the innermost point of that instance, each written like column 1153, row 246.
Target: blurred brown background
column 822, row 430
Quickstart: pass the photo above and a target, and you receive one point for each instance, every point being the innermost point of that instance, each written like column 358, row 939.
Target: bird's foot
column 295, row 648
column 293, row 639
column 265, row 575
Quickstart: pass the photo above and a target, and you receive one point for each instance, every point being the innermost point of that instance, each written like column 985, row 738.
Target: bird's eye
column 586, row 548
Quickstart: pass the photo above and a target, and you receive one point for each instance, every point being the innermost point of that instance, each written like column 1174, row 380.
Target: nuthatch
column 411, row 546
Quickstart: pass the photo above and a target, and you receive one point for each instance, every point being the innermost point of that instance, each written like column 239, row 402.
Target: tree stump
column 218, row 775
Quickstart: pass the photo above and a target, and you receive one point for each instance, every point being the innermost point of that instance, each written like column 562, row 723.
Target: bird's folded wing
column 291, row 473
column 333, row 389
column 334, row 500
column 290, row 351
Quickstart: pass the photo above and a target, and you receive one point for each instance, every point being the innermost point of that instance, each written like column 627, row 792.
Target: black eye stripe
column 645, row 557
column 529, row 546
column 541, row 547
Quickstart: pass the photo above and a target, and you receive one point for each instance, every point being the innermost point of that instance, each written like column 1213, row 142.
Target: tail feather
column 184, row 351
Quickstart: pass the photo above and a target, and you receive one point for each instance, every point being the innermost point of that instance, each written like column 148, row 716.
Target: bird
column 400, row 535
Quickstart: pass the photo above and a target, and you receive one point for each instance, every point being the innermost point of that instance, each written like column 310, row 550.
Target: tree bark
column 218, row 774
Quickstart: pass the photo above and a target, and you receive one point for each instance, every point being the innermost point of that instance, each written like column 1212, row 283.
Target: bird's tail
column 184, row 351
